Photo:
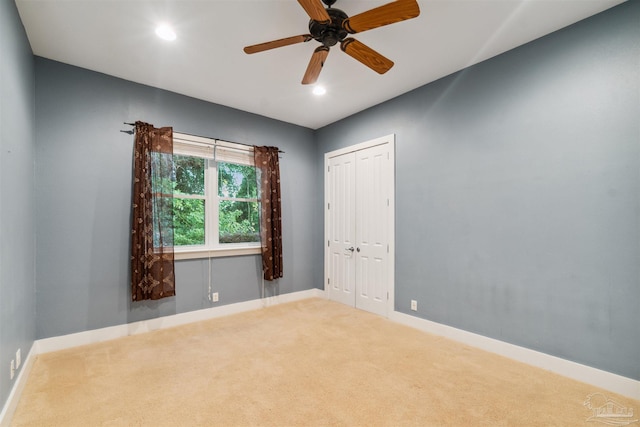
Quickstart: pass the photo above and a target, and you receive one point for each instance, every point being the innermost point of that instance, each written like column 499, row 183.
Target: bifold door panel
column 358, row 228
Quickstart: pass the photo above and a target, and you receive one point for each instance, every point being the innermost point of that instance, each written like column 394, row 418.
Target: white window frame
column 213, row 151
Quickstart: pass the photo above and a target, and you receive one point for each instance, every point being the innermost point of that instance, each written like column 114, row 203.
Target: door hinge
column 388, row 202
column 328, row 281
column 387, row 296
column 328, row 168
column 387, row 248
column 328, row 243
column 328, row 206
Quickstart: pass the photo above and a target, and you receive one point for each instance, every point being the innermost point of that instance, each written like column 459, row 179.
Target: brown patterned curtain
column 152, row 269
column 268, row 166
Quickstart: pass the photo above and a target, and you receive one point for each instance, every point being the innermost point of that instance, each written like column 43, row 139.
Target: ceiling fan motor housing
column 332, row 33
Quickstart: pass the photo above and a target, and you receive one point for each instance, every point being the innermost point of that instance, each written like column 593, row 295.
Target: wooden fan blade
column 315, row 65
column 315, row 10
column 369, row 57
column 277, row 43
column 389, row 13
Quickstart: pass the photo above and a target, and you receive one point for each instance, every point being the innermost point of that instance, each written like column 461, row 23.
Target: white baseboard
column 14, row 397
column 586, row 374
column 48, row 345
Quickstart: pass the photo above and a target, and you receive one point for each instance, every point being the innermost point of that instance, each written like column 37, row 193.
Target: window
column 238, row 210
column 215, row 198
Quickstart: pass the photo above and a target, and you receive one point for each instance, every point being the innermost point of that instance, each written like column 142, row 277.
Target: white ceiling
column 207, row 62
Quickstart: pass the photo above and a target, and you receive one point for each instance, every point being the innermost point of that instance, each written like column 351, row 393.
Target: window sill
column 181, row 254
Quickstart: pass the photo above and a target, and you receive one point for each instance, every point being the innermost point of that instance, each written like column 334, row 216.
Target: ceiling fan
column 330, row 26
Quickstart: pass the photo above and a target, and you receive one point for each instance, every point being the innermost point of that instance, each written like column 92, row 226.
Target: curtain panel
column 152, row 264
column 267, row 163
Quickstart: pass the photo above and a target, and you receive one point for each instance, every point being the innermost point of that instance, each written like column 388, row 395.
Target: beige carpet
column 307, row 363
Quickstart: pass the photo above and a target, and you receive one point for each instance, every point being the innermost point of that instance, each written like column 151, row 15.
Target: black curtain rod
column 131, row 132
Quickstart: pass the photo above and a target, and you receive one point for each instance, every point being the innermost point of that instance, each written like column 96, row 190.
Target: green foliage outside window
column 238, row 210
column 239, row 220
column 188, row 222
column 188, row 213
column 189, row 175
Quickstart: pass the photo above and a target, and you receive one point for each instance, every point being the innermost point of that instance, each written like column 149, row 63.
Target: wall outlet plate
column 18, row 359
column 13, row 369
column 216, row 297
column 414, row 305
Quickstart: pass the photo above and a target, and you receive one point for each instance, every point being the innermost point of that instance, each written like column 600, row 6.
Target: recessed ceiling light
column 319, row 90
column 165, row 32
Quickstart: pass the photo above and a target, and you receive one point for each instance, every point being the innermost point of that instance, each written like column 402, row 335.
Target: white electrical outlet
column 18, row 359
column 216, row 297
column 414, row 305
column 13, row 369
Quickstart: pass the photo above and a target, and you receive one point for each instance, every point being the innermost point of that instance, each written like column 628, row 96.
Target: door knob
column 352, row 249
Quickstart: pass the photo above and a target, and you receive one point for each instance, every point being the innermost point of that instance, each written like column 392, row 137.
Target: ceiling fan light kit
column 331, row 26
column 165, row 32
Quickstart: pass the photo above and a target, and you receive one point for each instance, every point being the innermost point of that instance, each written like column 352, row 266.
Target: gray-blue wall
column 17, row 232
column 84, row 197
column 518, row 193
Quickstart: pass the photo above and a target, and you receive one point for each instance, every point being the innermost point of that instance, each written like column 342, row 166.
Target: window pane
column 239, row 222
column 162, row 227
column 162, row 177
column 237, row 181
column 188, row 222
column 189, row 175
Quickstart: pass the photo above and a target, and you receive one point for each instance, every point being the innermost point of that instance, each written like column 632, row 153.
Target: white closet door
column 342, row 232
column 358, row 222
column 372, row 237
